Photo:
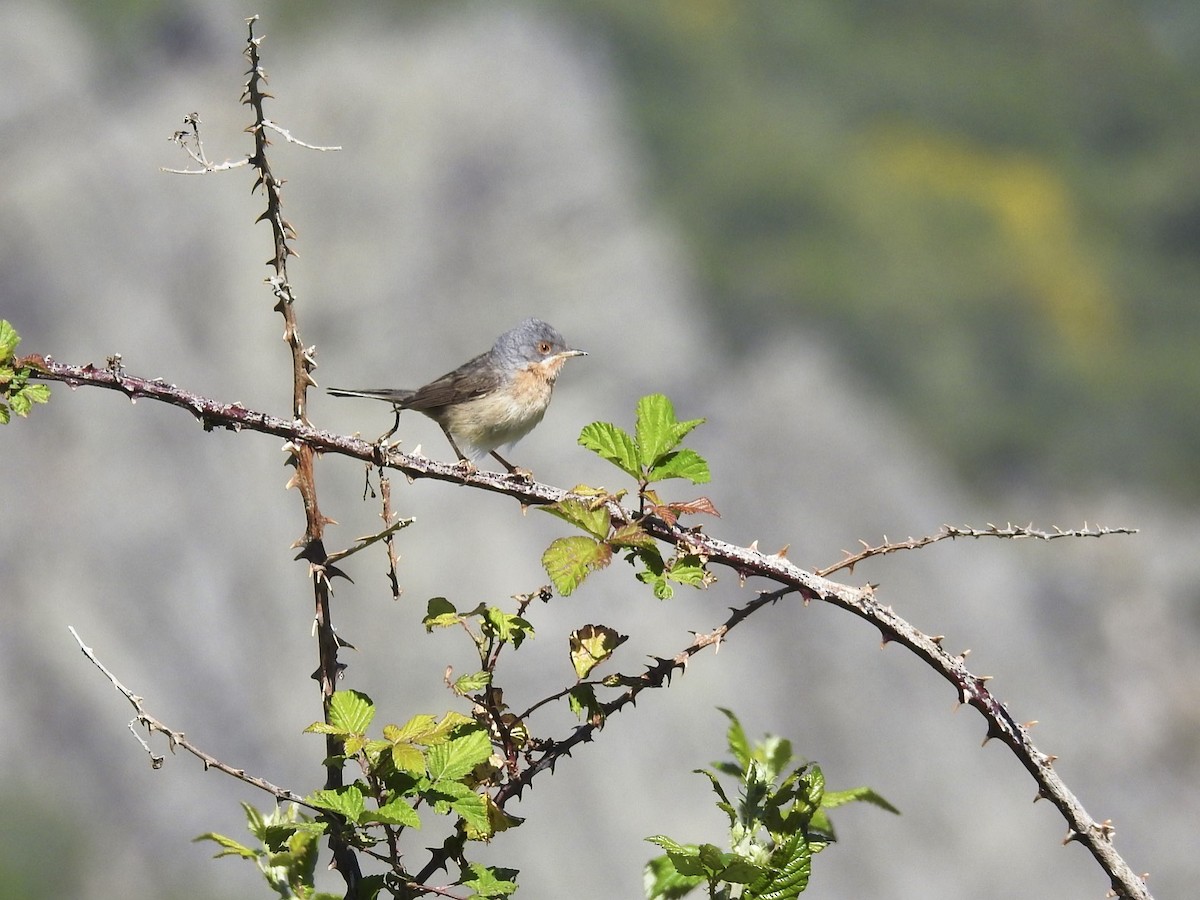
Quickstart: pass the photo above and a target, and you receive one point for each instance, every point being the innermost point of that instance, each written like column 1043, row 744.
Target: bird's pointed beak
column 567, row 353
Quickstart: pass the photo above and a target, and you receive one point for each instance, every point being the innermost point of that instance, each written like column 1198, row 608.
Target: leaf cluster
column 779, row 822
column 17, row 395
column 287, row 856
column 439, row 764
column 650, row 455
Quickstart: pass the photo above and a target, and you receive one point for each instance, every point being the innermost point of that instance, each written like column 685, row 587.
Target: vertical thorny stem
column 300, row 455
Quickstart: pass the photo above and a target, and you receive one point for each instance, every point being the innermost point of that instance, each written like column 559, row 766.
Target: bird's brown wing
column 470, row 380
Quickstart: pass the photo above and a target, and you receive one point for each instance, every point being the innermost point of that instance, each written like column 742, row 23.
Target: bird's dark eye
column 544, row 347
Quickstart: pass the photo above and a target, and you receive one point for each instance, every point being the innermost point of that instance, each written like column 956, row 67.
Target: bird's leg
column 465, row 463
column 514, row 470
column 395, row 425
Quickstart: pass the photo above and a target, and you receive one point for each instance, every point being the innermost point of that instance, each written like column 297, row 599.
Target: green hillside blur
column 992, row 209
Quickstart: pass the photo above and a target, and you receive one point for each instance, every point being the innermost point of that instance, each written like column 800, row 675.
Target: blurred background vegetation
column 992, row 208
column 989, row 211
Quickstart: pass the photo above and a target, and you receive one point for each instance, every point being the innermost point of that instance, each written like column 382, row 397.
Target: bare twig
column 1010, row 531
column 301, row 455
column 177, row 738
column 188, row 138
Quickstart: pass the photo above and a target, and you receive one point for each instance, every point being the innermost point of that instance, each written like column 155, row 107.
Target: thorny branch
column 300, row 454
column 177, row 738
column 745, row 561
column 1010, row 531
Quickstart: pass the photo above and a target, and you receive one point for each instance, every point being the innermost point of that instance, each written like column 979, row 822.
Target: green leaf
column 411, row 731
column 592, row 519
column 658, row 584
column 681, row 464
column 506, row 626
column 8, row 340
column 631, row 535
column 592, row 645
column 689, row 570
column 735, row 737
column 473, row 809
column 473, row 683
column 776, row 753
column 451, row 760
column 397, row 812
column 583, row 702
column 569, row 560
column 787, row 875
column 346, row 801
column 440, row 613
column 671, row 845
column 612, row 443
column 351, row 711
column 229, row 847
column 662, row 881
column 864, row 794
column 724, row 805
column 657, row 430
column 490, row 881
column 407, row 758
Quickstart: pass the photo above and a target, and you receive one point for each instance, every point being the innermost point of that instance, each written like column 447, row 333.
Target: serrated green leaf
column 440, row 613
column 397, row 812
column 413, row 730
column 38, row 393
column 657, row 430
column 569, row 560
column 812, row 790
column 776, row 753
column 581, row 514
column 229, row 847
column 455, row 758
column 346, row 801
column 671, row 845
column 8, row 340
column 351, row 711
column 506, row 626
column 255, row 823
column 496, row 819
column 833, row 799
column 470, row 684
column 681, row 464
column 473, row 809
column 788, row 873
column 592, row 645
column 740, row 871
column 662, row 881
column 684, row 572
column 407, row 758
column 735, row 738
column 353, row 744
column 658, row 584
column 582, row 700
column 490, row 881
column 631, row 535
column 724, row 804
column 612, row 443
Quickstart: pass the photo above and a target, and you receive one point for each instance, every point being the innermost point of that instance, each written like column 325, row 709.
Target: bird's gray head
column 532, row 341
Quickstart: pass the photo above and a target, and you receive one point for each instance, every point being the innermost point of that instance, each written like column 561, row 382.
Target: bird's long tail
column 391, row 395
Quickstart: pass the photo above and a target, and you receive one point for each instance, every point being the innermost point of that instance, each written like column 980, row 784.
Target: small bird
column 493, row 400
